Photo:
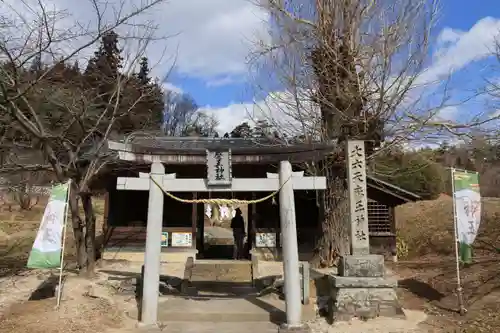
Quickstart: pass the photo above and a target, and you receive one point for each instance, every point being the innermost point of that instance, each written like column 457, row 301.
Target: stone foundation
column 172, row 256
column 370, row 265
column 266, row 254
column 364, row 303
column 361, row 290
column 300, row 329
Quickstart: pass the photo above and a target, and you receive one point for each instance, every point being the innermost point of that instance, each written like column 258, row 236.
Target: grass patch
column 18, row 230
column 427, row 227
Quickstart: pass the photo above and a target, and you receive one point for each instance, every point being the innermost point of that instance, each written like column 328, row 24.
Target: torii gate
column 220, row 180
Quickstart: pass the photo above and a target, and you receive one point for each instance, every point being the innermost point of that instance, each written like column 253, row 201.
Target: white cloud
column 217, row 39
column 230, row 116
column 279, row 109
column 495, row 114
column 457, row 49
column 449, row 35
column 212, row 38
column 224, row 81
column 446, row 114
column 167, row 86
column 208, row 39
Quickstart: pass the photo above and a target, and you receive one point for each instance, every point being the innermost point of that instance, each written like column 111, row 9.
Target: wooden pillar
column 194, row 220
column 254, row 221
column 393, row 238
column 201, row 231
column 105, row 226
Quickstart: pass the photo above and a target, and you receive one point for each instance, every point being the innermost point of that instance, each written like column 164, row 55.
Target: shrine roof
column 190, row 150
column 166, row 144
column 397, row 194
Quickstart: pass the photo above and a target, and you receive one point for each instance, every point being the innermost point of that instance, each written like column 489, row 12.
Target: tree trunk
column 90, row 233
column 77, row 224
column 334, row 229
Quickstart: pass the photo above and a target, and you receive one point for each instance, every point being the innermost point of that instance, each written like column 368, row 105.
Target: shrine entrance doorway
column 217, row 241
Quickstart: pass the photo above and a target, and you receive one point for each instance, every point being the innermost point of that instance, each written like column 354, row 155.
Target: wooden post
column 194, row 220
column 105, row 222
column 253, row 222
column 394, row 237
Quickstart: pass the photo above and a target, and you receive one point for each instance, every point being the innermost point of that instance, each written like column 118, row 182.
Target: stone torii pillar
column 152, row 256
column 290, row 250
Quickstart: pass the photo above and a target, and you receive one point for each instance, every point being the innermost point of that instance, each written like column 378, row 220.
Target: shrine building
column 188, row 159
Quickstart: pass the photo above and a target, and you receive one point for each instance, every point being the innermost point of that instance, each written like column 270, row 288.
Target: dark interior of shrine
column 127, row 214
column 127, row 210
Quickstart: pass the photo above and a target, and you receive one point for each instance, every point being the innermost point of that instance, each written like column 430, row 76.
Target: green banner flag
column 467, row 205
column 46, row 252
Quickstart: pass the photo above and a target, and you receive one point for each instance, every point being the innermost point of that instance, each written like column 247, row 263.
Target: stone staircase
column 222, row 270
column 221, row 291
column 227, row 278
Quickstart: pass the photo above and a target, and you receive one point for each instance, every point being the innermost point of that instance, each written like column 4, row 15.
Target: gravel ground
column 378, row 325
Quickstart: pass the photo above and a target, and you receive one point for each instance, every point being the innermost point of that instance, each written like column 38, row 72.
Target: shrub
column 413, row 172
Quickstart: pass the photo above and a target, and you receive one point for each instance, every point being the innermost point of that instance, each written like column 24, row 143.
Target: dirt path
column 379, row 325
column 429, row 285
column 18, row 288
column 94, row 306
column 86, row 306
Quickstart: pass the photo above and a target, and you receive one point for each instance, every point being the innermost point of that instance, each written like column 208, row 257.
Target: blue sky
column 209, row 43
column 464, row 31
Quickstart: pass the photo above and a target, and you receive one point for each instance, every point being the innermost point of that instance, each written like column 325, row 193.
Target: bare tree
column 182, row 117
column 25, row 188
column 180, row 109
column 60, row 117
column 351, row 69
column 203, row 124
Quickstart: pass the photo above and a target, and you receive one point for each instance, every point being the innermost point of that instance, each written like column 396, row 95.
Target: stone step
column 223, row 289
column 224, row 310
column 222, row 271
column 211, row 327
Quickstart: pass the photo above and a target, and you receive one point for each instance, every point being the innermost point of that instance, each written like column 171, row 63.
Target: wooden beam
column 141, row 183
column 238, row 184
column 294, row 174
column 146, row 175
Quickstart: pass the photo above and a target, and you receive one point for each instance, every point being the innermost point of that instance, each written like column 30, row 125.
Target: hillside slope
column 427, row 227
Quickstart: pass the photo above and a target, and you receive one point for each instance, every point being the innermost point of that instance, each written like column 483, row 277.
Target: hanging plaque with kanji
column 219, row 168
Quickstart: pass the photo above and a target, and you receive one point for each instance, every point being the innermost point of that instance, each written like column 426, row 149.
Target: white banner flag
column 46, row 252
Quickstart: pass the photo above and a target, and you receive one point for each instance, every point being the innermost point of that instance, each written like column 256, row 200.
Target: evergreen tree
column 144, row 71
column 36, row 65
column 262, row 129
column 76, row 67
column 243, row 130
column 107, row 60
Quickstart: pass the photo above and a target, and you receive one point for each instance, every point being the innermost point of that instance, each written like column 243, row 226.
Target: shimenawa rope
column 216, row 201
